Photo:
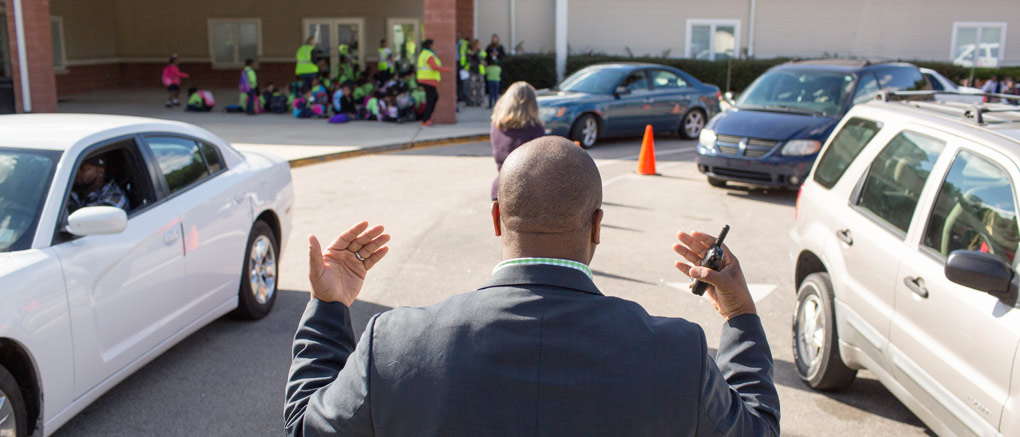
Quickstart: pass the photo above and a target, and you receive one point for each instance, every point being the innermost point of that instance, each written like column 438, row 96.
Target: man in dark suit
column 536, row 351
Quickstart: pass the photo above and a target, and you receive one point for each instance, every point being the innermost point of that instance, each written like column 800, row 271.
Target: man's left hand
column 337, row 274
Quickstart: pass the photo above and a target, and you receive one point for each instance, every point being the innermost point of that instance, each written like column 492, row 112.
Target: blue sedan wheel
column 692, row 124
column 585, row 131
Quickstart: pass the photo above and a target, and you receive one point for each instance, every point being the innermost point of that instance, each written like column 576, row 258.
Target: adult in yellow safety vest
column 462, row 61
column 306, row 68
column 384, row 52
column 428, row 75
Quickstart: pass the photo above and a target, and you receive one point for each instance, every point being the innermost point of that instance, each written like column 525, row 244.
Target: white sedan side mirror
column 97, row 220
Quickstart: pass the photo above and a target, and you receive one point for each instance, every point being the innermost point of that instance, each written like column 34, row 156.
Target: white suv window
column 893, row 184
column 845, row 146
column 974, row 210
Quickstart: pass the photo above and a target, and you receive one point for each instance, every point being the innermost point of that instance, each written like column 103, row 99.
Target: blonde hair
column 517, row 108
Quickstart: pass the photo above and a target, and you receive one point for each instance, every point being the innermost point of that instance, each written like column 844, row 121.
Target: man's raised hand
column 727, row 287
column 337, row 273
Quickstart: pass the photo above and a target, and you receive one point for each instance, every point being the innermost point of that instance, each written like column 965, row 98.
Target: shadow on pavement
column 867, row 395
column 623, row 278
column 621, row 228
column 774, row 195
column 621, row 205
column 225, row 379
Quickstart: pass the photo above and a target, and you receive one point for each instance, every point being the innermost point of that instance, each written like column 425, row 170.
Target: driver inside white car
column 92, row 188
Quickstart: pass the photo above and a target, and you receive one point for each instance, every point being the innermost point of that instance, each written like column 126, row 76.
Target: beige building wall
column 648, row 27
column 904, row 29
column 152, row 30
column 493, row 17
column 534, row 24
column 89, row 28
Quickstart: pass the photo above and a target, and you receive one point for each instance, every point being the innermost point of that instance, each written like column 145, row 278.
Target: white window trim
column 359, row 21
column 62, row 66
column 979, row 24
column 691, row 22
column 235, row 21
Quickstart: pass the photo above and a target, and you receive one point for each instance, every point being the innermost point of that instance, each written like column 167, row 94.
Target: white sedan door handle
column 171, row 236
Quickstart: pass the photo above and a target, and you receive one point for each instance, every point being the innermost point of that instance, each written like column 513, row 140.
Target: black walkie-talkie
column 713, row 260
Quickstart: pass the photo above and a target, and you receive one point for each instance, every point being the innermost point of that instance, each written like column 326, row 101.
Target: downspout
column 561, row 39
column 513, row 26
column 750, row 31
column 474, row 27
column 19, row 32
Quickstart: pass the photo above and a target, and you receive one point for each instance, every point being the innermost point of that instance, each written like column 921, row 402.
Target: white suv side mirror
column 97, row 220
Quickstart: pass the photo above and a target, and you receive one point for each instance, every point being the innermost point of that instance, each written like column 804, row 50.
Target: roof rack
column 975, row 113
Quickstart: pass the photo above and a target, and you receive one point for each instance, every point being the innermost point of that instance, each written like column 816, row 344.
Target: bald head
column 549, row 186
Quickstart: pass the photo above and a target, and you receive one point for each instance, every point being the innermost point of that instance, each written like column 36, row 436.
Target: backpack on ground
column 278, row 103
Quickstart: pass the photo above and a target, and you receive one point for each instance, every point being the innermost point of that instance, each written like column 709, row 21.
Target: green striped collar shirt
column 544, row 261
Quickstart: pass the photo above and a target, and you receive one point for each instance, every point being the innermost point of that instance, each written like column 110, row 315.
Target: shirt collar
column 544, row 261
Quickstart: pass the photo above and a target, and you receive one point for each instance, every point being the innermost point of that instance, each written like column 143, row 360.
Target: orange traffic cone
column 646, row 159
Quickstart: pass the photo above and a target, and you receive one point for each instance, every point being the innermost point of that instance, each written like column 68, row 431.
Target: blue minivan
column 772, row 133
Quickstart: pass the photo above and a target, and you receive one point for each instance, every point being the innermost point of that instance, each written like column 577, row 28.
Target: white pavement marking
column 631, row 158
column 617, row 178
column 291, row 152
column 758, row 291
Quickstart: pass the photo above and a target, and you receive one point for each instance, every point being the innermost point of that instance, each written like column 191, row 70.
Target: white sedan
column 91, row 292
column 941, row 83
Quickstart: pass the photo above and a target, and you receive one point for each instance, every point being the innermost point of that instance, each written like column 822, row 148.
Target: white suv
column 905, row 249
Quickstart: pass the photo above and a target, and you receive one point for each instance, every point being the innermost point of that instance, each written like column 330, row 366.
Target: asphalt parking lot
column 228, row 378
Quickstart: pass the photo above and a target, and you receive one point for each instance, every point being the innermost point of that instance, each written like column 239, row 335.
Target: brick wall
column 39, row 51
column 440, row 26
column 466, row 18
column 85, row 78
column 202, row 75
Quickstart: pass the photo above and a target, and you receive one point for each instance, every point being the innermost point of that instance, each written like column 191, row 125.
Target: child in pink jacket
column 172, row 80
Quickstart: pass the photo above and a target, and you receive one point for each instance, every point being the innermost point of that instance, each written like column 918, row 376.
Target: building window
column 232, row 41
column 57, row 33
column 978, row 44
column 713, row 39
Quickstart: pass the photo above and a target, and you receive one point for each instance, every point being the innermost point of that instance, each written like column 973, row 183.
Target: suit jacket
column 536, row 351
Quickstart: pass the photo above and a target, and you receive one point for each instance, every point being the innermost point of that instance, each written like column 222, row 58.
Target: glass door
column 6, row 75
column 349, row 33
column 330, row 33
column 404, row 39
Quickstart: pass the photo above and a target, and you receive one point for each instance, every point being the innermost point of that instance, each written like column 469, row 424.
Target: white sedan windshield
column 24, row 179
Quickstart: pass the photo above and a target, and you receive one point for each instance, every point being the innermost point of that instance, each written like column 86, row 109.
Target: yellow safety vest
column 383, row 65
column 410, row 47
column 304, row 61
column 425, row 72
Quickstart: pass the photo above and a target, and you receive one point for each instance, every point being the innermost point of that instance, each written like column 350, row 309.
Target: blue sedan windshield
column 799, row 91
column 593, row 81
column 24, row 179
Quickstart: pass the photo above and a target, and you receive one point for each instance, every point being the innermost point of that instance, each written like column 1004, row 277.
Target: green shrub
column 540, row 69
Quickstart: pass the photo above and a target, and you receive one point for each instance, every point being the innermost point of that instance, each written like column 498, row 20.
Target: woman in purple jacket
column 514, row 122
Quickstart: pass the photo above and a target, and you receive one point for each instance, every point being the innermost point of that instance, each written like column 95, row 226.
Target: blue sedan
column 615, row 100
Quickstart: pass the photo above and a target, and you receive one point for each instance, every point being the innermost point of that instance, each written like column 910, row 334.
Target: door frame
column 392, row 21
column 334, row 55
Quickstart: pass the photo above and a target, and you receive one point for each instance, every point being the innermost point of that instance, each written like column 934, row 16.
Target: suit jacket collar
column 547, row 275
